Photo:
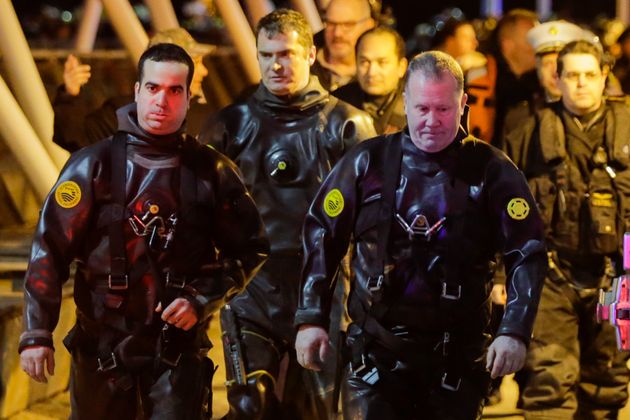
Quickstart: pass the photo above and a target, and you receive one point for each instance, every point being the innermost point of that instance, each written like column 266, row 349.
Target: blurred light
column 66, row 16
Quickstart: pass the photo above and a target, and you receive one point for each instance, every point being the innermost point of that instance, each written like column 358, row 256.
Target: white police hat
column 552, row 36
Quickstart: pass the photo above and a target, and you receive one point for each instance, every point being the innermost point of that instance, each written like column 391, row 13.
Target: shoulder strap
column 118, row 266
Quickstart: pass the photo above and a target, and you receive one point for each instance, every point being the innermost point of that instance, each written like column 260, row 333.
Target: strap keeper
column 107, row 364
column 375, row 284
column 451, row 294
column 118, row 282
column 175, row 282
column 449, row 384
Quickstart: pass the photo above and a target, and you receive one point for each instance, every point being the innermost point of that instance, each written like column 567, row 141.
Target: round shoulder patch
column 68, row 194
column 517, row 208
column 333, row 203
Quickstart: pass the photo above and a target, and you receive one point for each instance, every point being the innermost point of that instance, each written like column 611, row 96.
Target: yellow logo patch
column 517, row 208
column 68, row 194
column 602, row 200
column 333, row 203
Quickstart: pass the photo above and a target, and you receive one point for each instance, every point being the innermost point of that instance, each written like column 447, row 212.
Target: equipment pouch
column 600, row 221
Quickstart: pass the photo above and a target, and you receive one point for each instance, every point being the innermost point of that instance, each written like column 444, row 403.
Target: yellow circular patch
column 333, row 203
column 68, row 194
column 518, row 209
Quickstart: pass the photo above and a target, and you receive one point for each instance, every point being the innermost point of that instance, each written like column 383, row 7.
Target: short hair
column 581, row 47
column 167, row 52
column 435, row 65
column 447, row 30
column 284, row 21
column 508, row 22
column 399, row 42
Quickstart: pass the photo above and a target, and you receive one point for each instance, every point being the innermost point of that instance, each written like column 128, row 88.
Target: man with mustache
column 285, row 138
column 345, row 21
column 575, row 154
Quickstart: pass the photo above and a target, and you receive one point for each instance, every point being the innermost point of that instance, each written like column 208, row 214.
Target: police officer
column 381, row 65
column 285, row 138
column 426, row 209
column 575, row 155
column 163, row 232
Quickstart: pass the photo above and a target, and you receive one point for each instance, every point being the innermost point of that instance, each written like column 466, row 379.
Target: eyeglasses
column 344, row 26
column 574, row 76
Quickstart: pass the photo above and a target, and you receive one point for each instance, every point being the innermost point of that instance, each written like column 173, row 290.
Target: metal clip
column 450, row 387
column 372, row 287
column 451, row 296
column 370, row 377
column 175, row 283
column 116, row 284
column 107, row 364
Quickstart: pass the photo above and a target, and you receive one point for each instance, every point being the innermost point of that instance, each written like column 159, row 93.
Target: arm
column 59, row 233
column 524, row 256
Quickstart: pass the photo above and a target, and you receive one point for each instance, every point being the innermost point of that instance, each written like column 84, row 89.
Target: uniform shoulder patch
column 517, row 208
column 68, row 194
column 333, row 203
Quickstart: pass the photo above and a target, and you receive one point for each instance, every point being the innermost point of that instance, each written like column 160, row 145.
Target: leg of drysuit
column 94, row 396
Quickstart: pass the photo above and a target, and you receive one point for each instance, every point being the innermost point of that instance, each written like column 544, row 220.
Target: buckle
column 175, row 283
column 447, row 294
column 450, row 386
column 367, row 375
column 375, row 284
column 171, row 361
column 105, row 365
column 118, row 283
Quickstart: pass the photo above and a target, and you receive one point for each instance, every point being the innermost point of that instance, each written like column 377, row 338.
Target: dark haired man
column 381, row 65
column 575, row 154
column 163, row 232
column 285, row 138
column 426, row 208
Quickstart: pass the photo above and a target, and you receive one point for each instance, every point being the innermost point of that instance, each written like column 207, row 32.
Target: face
column 162, row 97
column 200, row 72
column 546, row 66
column 345, row 22
column 284, row 62
column 582, row 83
column 519, row 51
column 464, row 41
column 378, row 67
column 434, row 109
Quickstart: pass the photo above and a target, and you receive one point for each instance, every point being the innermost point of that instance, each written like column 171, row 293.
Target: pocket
column 601, row 222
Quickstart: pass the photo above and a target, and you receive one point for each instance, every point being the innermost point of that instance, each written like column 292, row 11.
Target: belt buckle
column 175, row 283
column 116, row 284
column 105, row 365
column 451, row 296
column 449, row 386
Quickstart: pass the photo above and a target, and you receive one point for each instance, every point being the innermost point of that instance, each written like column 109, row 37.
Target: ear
column 463, row 103
column 136, row 91
column 402, row 67
column 312, row 54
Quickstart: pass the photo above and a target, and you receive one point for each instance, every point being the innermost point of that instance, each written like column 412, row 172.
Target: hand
column 180, row 313
column 498, row 295
column 311, row 346
column 32, row 360
column 505, row 355
column 75, row 75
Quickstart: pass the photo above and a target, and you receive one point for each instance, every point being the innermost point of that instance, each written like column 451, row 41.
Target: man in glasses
column 345, row 21
column 575, row 155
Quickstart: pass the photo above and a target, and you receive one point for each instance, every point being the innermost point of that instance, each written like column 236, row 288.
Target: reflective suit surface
column 202, row 246
column 418, row 315
column 284, row 148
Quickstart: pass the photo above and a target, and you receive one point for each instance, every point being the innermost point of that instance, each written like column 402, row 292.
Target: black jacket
column 486, row 206
column 219, row 241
